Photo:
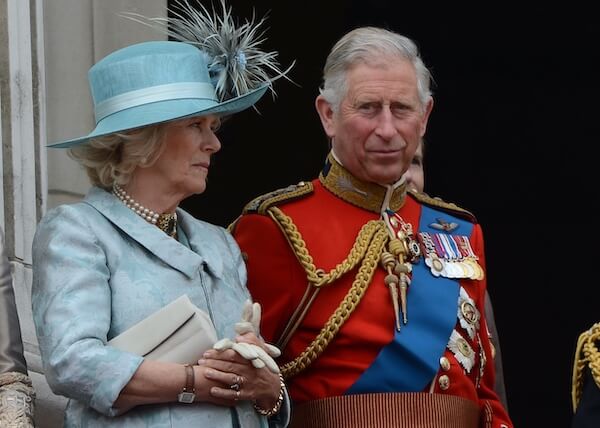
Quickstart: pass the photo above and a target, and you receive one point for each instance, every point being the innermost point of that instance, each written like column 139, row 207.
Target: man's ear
column 326, row 114
column 425, row 118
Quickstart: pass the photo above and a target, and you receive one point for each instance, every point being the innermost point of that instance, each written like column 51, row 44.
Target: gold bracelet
column 275, row 409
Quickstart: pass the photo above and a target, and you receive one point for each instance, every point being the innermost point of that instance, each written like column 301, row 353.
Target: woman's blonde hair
column 111, row 159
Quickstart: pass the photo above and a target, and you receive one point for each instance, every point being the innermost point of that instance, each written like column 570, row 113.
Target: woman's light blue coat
column 99, row 268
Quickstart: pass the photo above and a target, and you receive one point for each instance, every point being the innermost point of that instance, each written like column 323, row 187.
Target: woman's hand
column 252, row 349
column 160, row 382
column 205, row 384
column 237, row 379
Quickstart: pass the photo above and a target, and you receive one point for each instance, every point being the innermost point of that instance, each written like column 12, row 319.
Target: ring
column 237, row 395
column 237, row 383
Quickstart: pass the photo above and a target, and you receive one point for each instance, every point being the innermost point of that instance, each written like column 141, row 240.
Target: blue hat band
column 152, row 94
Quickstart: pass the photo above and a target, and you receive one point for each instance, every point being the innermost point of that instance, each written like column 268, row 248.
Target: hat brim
column 165, row 111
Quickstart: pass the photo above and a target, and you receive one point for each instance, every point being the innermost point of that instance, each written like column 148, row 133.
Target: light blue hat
column 154, row 82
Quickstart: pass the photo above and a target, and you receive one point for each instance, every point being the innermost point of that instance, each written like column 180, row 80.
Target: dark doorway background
column 510, row 138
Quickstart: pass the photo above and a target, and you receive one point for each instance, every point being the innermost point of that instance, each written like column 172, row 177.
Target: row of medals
column 445, row 255
column 450, row 256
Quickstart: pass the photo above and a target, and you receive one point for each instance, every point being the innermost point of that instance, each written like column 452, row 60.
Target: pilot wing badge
column 444, row 225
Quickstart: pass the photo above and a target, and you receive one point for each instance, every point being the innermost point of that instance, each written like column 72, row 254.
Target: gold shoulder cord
column 367, row 248
column 439, row 203
column 586, row 354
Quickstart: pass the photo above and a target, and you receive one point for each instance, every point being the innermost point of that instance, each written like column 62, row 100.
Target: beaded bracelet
column 275, row 409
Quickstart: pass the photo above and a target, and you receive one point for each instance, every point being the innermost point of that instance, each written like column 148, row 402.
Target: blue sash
column 411, row 360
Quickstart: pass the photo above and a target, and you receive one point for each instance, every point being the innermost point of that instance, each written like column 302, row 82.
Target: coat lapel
column 147, row 235
column 201, row 236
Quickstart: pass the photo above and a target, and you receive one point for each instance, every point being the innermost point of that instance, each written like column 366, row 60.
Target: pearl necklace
column 147, row 214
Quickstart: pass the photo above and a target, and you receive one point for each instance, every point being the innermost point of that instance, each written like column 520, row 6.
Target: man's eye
column 370, row 107
column 400, row 110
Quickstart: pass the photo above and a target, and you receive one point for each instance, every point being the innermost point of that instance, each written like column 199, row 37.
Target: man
column 415, row 181
column 374, row 294
column 415, row 174
column 585, row 392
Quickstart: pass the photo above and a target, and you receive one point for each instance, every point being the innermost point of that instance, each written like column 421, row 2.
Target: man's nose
column 385, row 127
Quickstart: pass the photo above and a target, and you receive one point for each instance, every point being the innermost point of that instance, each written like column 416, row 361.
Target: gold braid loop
column 316, row 277
column 586, row 354
column 377, row 230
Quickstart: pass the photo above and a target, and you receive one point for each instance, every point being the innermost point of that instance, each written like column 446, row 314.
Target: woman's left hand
column 240, row 379
column 252, row 349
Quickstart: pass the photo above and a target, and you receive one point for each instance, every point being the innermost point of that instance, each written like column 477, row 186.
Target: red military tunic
column 329, row 221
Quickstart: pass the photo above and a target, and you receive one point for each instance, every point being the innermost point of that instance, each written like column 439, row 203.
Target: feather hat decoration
column 237, row 63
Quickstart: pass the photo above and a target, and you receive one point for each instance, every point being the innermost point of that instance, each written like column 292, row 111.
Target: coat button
column 444, row 382
column 445, row 364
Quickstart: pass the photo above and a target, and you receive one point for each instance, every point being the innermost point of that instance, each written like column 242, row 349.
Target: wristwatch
column 188, row 393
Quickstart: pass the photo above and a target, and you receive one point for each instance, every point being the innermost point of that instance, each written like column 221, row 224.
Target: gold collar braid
column 586, row 354
column 369, row 196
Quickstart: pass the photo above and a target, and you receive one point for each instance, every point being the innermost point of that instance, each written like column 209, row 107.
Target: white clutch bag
column 178, row 333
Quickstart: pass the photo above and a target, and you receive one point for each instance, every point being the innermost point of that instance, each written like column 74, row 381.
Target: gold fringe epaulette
column 586, row 356
column 261, row 204
column 449, row 207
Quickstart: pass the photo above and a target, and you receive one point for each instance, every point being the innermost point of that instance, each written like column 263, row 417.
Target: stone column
column 45, row 53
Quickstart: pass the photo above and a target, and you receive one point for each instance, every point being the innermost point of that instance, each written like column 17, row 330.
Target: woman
column 16, row 391
column 127, row 250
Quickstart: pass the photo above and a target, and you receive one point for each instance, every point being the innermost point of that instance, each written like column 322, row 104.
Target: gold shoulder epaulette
column 586, row 355
column 449, row 207
column 261, row 204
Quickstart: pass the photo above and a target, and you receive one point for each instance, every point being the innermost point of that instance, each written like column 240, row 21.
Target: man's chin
column 380, row 174
column 386, row 179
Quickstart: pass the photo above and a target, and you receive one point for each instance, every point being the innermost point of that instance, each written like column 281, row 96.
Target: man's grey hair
column 368, row 44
